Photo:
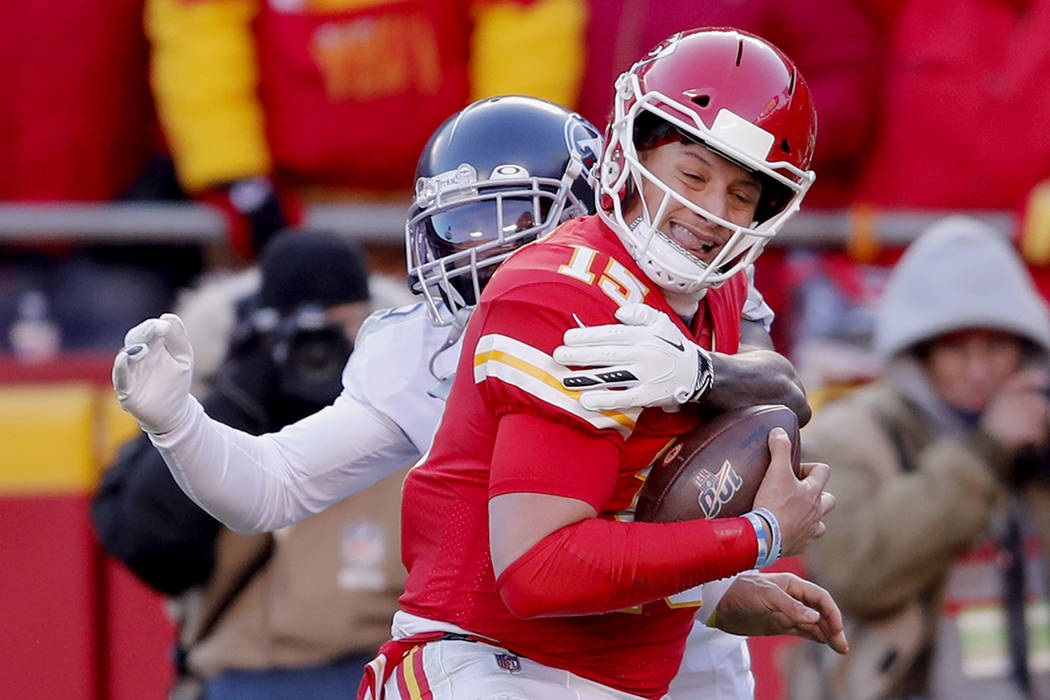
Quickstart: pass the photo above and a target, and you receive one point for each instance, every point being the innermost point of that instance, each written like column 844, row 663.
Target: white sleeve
column 383, row 419
column 755, row 307
column 261, row 483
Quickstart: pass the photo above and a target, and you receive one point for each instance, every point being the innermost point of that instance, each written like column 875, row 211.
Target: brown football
column 715, row 471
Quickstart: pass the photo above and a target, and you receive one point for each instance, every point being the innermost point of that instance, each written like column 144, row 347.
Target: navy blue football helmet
column 494, row 176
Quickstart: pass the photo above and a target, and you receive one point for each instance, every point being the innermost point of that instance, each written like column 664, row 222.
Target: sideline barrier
column 384, row 222
column 76, row 625
column 47, row 596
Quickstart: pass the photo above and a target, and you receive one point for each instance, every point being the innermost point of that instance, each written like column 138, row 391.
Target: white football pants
column 455, row 670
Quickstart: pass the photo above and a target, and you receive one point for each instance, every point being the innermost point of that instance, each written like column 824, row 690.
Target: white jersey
column 715, row 666
column 394, row 388
column 390, row 370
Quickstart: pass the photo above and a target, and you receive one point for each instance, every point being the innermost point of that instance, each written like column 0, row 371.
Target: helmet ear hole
column 785, row 146
column 702, row 101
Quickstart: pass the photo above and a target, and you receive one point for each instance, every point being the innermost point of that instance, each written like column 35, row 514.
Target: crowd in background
column 260, row 107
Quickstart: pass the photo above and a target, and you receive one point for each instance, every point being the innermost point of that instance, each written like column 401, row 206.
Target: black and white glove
column 645, row 360
column 152, row 374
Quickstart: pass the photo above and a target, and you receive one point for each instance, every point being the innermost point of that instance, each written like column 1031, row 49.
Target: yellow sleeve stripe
column 536, row 373
column 689, row 598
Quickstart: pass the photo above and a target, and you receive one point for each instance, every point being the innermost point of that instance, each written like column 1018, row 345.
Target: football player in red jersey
column 518, row 533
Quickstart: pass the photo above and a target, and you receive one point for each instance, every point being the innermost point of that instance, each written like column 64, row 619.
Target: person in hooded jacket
column 936, row 551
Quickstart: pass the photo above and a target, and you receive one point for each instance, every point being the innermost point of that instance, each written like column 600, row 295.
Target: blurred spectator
column 211, row 307
column 832, row 300
column 265, row 100
column 954, row 70
column 88, row 294
column 76, row 123
column 936, row 549
column 833, row 44
column 296, row 613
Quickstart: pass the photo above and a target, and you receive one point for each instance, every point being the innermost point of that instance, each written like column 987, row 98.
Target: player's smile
column 701, row 244
column 710, row 183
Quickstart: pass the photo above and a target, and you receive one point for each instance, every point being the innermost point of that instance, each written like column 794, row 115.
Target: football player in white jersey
column 495, row 176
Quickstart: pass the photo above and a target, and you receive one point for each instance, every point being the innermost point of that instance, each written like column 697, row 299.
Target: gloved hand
column 152, row 374
column 643, row 361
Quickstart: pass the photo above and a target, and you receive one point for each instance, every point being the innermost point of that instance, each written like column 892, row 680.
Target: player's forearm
column 261, row 483
column 713, row 592
column 756, row 377
column 222, row 470
column 615, row 565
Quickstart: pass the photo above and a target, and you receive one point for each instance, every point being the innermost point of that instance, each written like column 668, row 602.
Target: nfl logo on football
column 718, row 489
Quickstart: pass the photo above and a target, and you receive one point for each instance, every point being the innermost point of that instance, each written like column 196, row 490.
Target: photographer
column 294, row 613
column 937, row 549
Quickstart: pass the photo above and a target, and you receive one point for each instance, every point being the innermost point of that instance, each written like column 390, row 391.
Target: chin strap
column 443, row 383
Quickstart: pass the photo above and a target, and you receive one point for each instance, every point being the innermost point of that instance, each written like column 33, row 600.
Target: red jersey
column 579, row 274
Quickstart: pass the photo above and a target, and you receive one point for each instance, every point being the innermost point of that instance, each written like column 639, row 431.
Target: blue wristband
column 762, row 519
column 774, row 526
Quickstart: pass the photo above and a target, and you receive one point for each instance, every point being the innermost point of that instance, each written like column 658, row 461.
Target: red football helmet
column 736, row 94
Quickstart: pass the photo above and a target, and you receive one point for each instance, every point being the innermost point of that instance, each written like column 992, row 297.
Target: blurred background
column 151, row 147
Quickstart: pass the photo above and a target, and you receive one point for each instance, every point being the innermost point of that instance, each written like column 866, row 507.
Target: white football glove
column 152, row 373
column 642, row 361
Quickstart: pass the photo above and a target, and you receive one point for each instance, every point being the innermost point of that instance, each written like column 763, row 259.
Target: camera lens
column 309, row 353
column 317, row 357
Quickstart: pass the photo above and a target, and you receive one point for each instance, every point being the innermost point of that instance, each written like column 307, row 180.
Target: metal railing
column 186, row 222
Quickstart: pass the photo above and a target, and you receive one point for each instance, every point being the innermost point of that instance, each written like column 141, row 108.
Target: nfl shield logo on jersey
column 362, row 554
column 508, row 662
